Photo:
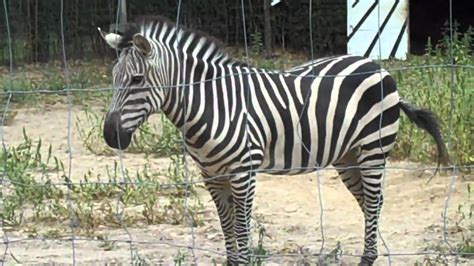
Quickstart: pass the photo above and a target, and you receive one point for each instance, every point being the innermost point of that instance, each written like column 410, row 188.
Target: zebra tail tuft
column 426, row 120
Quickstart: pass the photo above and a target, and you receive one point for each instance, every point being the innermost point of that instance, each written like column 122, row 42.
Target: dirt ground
column 286, row 206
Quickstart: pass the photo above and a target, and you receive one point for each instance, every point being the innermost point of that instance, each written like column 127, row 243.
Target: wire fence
column 193, row 245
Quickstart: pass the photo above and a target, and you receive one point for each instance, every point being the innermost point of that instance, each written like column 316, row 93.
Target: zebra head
column 137, row 90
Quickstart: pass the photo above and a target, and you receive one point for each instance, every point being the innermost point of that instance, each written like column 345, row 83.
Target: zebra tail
column 427, row 121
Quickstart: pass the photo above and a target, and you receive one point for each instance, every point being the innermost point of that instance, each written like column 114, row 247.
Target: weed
column 260, row 254
column 257, row 44
column 147, row 141
column 433, row 88
column 465, row 215
column 8, row 118
column 138, row 260
column 34, row 200
column 106, row 244
column 29, row 79
column 179, row 258
column 334, row 256
column 90, row 132
column 463, row 244
column 22, row 164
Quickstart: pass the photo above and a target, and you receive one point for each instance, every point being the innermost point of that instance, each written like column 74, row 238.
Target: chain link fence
column 65, row 203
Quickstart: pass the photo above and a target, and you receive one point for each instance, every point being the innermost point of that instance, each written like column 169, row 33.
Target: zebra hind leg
column 349, row 171
column 372, row 164
column 243, row 190
column 221, row 193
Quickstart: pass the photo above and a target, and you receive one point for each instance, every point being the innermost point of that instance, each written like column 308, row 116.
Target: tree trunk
column 267, row 28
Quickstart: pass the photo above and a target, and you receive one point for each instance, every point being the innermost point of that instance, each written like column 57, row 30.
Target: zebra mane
column 128, row 30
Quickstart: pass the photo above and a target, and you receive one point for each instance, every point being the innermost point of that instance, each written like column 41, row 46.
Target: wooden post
column 267, row 28
column 123, row 12
column 119, row 25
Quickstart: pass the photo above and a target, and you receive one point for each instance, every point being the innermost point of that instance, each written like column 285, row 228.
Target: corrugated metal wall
column 378, row 29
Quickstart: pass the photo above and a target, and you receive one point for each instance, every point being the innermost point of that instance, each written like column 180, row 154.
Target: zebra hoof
column 367, row 260
column 235, row 262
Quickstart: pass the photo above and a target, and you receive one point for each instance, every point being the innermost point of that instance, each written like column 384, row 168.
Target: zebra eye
column 137, row 79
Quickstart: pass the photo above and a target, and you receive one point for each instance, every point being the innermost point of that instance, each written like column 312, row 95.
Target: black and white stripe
column 238, row 119
column 374, row 22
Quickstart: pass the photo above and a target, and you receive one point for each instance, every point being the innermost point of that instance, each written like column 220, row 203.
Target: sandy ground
column 286, row 206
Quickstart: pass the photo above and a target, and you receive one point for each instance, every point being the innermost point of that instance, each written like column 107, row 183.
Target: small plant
column 462, row 231
column 449, row 96
column 333, row 258
column 106, row 244
column 465, row 213
column 139, row 260
column 23, row 164
column 91, row 134
column 34, row 200
column 179, row 258
column 460, row 47
column 8, row 118
column 84, row 77
column 256, row 43
column 260, row 254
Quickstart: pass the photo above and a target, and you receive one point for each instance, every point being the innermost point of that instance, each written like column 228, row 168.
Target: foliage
column 465, row 215
column 33, row 198
column 445, row 91
column 20, row 165
column 34, row 80
column 36, row 37
column 463, row 226
column 260, row 254
column 256, row 43
column 179, row 258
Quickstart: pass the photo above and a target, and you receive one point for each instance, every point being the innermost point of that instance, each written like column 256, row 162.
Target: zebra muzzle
column 114, row 135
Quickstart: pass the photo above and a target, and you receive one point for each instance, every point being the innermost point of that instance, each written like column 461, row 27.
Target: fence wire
column 132, row 243
column 46, row 91
column 72, row 216
column 380, row 197
column 2, row 135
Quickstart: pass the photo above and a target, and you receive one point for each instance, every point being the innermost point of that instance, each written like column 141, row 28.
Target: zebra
column 238, row 120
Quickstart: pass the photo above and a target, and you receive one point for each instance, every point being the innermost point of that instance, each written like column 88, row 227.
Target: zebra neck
column 196, row 75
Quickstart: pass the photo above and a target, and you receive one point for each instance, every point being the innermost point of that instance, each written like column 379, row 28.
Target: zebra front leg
column 221, row 193
column 243, row 190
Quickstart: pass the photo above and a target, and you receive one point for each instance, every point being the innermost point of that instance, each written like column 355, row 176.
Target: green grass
column 461, row 227
column 36, row 199
column 448, row 92
column 465, row 215
column 28, row 81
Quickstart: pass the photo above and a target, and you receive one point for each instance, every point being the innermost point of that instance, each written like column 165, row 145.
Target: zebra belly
column 301, row 158
column 302, row 146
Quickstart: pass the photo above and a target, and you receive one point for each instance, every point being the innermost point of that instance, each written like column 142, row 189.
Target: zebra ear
column 142, row 44
column 111, row 39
